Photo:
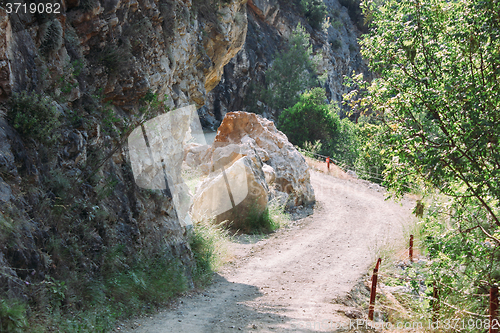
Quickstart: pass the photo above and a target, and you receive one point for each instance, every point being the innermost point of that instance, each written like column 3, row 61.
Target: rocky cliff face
column 103, row 66
column 270, row 23
column 122, row 48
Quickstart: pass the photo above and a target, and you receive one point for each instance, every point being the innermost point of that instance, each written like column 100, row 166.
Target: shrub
column 335, row 44
column 346, row 143
column 52, row 39
column 371, row 160
column 315, row 12
column 311, row 119
column 114, row 59
column 33, row 115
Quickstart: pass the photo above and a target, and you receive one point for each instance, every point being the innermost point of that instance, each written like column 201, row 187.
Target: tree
column 438, row 89
column 291, row 72
column 315, row 12
column 310, row 119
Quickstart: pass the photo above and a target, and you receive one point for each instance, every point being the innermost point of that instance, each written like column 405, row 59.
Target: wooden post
column 411, row 248
column 373, row 291
column 494, row 310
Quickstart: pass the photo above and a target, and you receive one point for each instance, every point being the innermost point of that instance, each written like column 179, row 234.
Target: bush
column 315, row 12
column 371, row 160
column 346, row 142
column 52, row 39
column 33, row 115
column 335, row 44
column 311, row 119
column 115, row 59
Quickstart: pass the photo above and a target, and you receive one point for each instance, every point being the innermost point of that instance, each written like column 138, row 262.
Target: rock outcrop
column 122, row 49
column 105, row 67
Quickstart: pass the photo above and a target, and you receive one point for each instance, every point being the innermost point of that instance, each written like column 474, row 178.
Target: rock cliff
column 270, row 23
column 73, row 86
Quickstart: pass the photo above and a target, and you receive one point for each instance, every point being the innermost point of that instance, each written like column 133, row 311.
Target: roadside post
column 373, row 291
column 411, row 248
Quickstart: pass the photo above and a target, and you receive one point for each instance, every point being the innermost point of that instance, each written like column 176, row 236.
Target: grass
column 12, row 316
column 95, row 305
column 209, row 243
column 268, row 221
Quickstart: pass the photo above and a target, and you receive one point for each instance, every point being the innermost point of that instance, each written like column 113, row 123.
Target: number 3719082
column 39, row 8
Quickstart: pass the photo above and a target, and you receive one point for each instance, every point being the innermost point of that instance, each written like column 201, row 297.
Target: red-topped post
column 373, row 291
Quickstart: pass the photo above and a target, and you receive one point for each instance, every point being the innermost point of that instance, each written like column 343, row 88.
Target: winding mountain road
column 289, row 282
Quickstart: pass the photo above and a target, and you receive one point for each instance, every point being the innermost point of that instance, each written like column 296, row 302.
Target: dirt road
column 288, row 282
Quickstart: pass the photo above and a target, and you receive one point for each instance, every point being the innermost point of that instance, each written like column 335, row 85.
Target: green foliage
column 315, row 126
column 312, row 148
column 335, row 44
column 311, row 119
column 258, row 222
column 439, row 94
column 149, row 281
column 12, row 317
column 372, row 152
column 346, row 143
column 291, row 72
column 315, row 12
column 52, row 39
column 336, row 23
column 34, row 116
column 208, row 243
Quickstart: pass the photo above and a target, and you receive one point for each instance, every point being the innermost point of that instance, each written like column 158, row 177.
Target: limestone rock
column 229, row 194
column 265, row 9
column 222, row 47
column 269, row 173
column 198, row 156
column 273, row 148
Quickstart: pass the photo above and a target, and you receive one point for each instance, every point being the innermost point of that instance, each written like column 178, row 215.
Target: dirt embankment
column 290, row 281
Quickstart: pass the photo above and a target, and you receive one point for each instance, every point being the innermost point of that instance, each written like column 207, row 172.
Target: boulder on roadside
column 259, row 138
column 232, row 193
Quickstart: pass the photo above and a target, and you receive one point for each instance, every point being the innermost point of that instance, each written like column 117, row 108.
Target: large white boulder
column 259, row 139
column 231, row 193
